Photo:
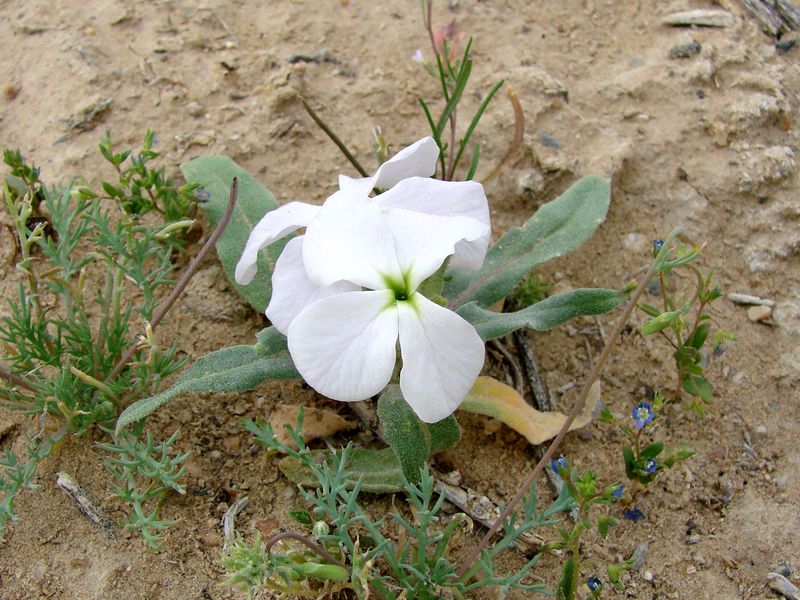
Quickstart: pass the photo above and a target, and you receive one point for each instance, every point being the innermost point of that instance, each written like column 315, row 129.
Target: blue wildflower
column 657, row 245
column 617, row 492
column 634, row 514
column 560, row 462
column 650, row 466
column 594, row 584
column 643, row 414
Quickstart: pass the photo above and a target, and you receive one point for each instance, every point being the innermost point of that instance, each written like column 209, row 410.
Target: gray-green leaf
column 411, row 439
column 557, row 228
column 378, row 470
column 215, row 174
column 233, row 369
column 543, row 315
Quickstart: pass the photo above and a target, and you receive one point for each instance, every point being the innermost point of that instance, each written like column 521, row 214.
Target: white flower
column 405, row 175
column 343, row 343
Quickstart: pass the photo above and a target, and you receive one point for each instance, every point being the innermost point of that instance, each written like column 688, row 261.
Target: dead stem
column 333, row 137
column 519, row 380
column 194, row 266
column 15, row 379
column 579, row 403
column 516, row 141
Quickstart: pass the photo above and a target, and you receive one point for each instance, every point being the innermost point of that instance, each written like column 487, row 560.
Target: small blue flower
column 634, row 514
column 594, row 584
column 643, row 414
column 618, row 491
column 650, row 466
column 657, row 245
column 558, row 462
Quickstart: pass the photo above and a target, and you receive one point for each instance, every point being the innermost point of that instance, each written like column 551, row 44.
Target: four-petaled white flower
column 347, row 290
column 344, row 345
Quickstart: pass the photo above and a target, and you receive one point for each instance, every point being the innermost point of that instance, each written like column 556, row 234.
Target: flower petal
column 423, row 241
column 344, row 346
column 272, row 226
column 350, row 240
column 417, row 160
column 435, row 197
column 442, row 358
column 447, row 199
column 292, row 290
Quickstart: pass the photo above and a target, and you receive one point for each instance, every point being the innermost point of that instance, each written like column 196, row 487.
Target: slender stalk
column 333, row 137
column 16, row 379
column 293, row 535
column 579, row 403
column 194, row 266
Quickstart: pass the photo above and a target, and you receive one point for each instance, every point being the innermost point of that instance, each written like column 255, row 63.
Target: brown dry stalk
column 551, row 450
column 194, row 266
column 519, row 133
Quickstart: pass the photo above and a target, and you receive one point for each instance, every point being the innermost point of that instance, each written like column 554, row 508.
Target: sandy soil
column 707, row 142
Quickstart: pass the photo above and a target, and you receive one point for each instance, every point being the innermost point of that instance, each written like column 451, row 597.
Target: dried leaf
column 495, row 399
column 317, row 423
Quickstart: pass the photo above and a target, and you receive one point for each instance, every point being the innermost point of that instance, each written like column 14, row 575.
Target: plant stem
column 334, row 138
column 15, row 379
column 293, row 535
column 579, row 403
column 194, row 266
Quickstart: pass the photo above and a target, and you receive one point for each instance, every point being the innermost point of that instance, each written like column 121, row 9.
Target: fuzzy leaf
column 444, row 434
column 215, row 174
column 697, row 385
column 548, row 313
column 569, row 581
column 652, row 450
column 233, row 369
column 378, row 470
column 557, row 228
column 604, row 523
column 496, row 399
column 411, row 439
column 630, row 462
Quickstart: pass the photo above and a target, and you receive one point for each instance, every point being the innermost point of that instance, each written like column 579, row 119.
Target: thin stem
column 16, row 380
column 452, row 149
column 306, row 542
column 548, row 455
column 334, row 138
column 194, row 266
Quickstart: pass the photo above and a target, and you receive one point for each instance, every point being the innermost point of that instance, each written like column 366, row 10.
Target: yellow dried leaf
column 317, row 423
column 495, row 399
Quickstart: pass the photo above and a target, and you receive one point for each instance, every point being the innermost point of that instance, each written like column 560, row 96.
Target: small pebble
column 762, row 429
column 784, row 47
column 232, row 443
column 691, row 570
column 10, row 92
column 685, row 50
column 266, row 526
column 211, row 539
column 80, row 563
column 648, row 576
column 759, row 313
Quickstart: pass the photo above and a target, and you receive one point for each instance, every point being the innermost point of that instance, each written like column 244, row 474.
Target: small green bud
column 660, row 322
column 320, row 529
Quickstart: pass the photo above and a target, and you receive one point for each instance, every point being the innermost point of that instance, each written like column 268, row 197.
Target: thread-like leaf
column 543, row 315
column 557, row 228
column 233, row 369
column 214, row 174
